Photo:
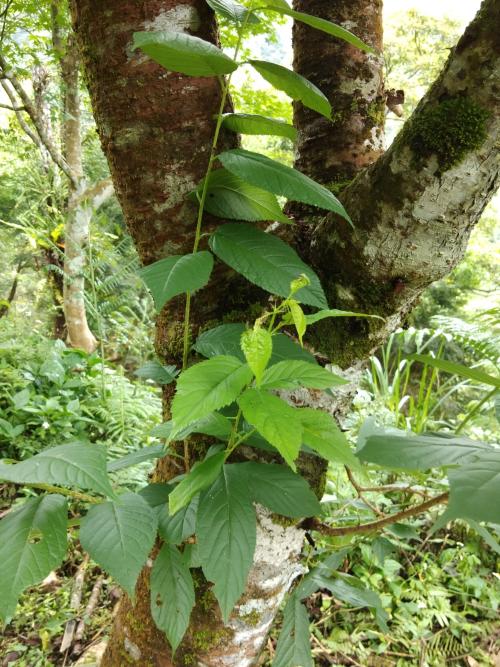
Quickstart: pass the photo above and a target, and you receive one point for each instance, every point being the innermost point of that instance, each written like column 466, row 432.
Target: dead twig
column 75, row 602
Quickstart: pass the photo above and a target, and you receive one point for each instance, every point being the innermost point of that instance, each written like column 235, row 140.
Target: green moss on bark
column 449, row 130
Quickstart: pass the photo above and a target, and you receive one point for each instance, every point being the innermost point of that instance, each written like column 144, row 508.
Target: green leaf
column 398, row 449
column 214, row 424
column 292, row 374
column 294, row 85
column 490, row 540
column 334, row 312
column 279, row 489
column 349, row 589
column 139, row 456
column 275, row 420
column 475, row 374
column 119, row 536
column 177, row 274
column 225, row 339
column 32, row 544
column 180, row 52
column 245, row 123
column 257, row 346
column 233, row 11
column 475, row 488
column 275, row 177
column 202, row 475
column 293, row 648
column 177, row 528
column 229, row 197
column 172, row 594
column 208, row 386
column 80, row 465
column 156, row 494
column 321, row 24
column 298, row 318
column 265, row 260
column 226, row 534
column 153, row 370
column 320, row 576
column 321, row 433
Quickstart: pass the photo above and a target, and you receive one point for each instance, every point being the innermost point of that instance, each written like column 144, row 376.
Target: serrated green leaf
column 32, row 544
column 279, row 489
column 399, row 449
column 257, row 346
column 294, row 85
column 172, row 594
column 225, row 339
column 298, row 318
column 119, row 536
column 214, row 424
column 245, row 123
column 475, row 374
column 293, row 648
column 265, row 260
column 475, row 488
column 177, row 528
column 80, row 465
column 180, row 52
column 233, row 11
column 334, row 312
column 320, row 24
column 321, row 433
column 349, row 589
column 231, row 198
column 153, row 370
column 202, row 475
column 292, row 374
column 275, row 420
column 281, row 180
column 139, row 456
column 177, row 274
column 156, row 494
column 206, row 387
column 226, row 535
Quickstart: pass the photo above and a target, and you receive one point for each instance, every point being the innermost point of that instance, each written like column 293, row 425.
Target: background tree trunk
column 157, row 155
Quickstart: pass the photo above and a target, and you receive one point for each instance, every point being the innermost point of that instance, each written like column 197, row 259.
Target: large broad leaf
column 257, row 346
column 291, row 374
column 226, row 534
column 229, row 197
column 32, row 544
column 177, row 274
column 475, row 488
column 293, row 648
column 225, row 339
column 279, row 489
column 81, row 465
column 134, row 458
column 294, row 85
column 281, row 180
column 275, row 420
column 177, row 528
column 180, row 52
column 214, row 424
column 201, row 476
column 119, row 536
column 320, row 24
column 208, row 386
column 349, row 589
column 266, row 261
column 172, row 594
column 475, row 374
column 399, row 449
column 245, row 123
column 233, row 11
column 153, row 370
column 321, row 433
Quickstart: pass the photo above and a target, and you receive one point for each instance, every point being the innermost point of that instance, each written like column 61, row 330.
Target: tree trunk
column 155, row 129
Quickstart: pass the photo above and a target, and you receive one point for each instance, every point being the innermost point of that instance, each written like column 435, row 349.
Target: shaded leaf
column 293, row 648
column 292, row 374
column 233, row 11
column 321, row 433
column 153, row 370
column 201, row 475
column 245, row 123
column 139, row 456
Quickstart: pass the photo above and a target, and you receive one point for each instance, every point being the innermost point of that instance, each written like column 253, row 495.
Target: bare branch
column 20, row 118
column 11, row 108
column 373, row 526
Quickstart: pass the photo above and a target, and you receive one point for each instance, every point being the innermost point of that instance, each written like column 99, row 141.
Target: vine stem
column 202, row 198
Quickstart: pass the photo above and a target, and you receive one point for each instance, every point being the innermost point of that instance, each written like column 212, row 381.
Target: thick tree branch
column 415, row 208
column 373, row 526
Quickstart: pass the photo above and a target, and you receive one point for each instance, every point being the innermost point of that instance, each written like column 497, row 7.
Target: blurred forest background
column 442, row 589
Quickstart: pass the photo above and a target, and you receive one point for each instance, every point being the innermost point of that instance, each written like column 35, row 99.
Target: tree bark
column 155, row 129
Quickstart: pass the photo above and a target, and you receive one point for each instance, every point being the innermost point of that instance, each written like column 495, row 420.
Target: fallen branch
column 75, row 601
column 89, row 609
